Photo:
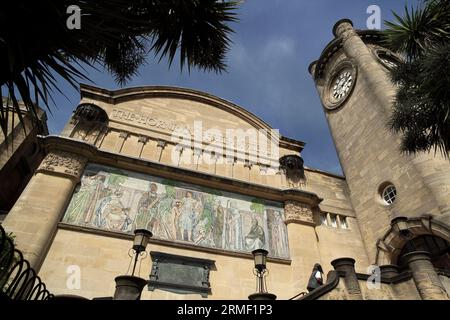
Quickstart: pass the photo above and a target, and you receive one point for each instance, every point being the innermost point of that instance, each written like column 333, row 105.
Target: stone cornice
column 168, row 243
column 93, row 154
column 316, row 68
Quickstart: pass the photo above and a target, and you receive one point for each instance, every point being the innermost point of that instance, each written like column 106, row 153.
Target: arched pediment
column 391, row 244
column 163, row 107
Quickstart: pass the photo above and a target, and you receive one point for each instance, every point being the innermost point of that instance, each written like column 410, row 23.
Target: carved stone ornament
column 296, row 212
column 292, row 166
column 63, row 163
column 143, row 139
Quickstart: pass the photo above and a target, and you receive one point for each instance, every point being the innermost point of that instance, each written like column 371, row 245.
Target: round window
column 389, row 194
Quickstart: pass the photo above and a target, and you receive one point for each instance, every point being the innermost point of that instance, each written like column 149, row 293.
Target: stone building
column 213, row 182
column 20, row 153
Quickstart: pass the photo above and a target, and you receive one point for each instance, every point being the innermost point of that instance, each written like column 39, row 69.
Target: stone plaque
column 180, row 274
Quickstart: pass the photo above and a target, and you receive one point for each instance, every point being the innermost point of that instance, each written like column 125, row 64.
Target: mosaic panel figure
column 121, row 200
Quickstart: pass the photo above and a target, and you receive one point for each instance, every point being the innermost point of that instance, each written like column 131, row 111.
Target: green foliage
column 170, row 188
column 116, row 179
column 258, row 206
column 37, row 48
column 170, row 192
column 422, row 104
column 5, row 262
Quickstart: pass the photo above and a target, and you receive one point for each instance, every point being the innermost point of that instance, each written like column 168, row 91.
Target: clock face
column 342, row 85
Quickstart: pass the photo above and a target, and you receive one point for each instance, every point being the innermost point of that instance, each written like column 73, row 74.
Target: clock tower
column 352, row 80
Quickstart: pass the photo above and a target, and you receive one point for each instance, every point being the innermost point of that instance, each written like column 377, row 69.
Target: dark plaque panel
column 180, row 274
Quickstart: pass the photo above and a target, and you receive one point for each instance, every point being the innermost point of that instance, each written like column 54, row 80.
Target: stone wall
column 368, row 151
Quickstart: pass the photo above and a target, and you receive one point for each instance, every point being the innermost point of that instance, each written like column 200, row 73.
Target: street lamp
column 130, row 287
column 260, row 270
column 141, row 237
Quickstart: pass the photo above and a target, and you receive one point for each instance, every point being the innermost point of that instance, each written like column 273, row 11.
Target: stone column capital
column 347, row 267
column 343, row 264
column 143, row 139
column 425, row 277
column 161, row 144
column 416, row 256
column 297, row 212
column 63, row 163
column 124, row 135
column 389, row 270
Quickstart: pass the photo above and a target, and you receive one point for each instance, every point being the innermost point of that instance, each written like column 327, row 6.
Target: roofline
column 120, row 95
column 368, row 36
column 326, row 173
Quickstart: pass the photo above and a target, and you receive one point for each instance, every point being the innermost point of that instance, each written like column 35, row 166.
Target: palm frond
column 36, row 47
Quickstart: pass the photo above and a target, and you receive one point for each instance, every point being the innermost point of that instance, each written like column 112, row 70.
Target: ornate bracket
column 296, row 212
column 292, row 166
column 64, row 164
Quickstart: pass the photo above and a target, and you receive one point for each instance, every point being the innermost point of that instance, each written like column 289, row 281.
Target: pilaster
column 34, row 217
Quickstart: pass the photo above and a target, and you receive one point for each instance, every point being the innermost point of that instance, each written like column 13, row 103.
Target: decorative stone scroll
column 63, row 163
column 296, row 212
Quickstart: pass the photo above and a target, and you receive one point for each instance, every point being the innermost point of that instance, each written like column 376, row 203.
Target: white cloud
column 278, row 47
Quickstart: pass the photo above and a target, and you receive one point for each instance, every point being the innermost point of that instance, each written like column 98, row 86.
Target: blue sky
column 273, row 44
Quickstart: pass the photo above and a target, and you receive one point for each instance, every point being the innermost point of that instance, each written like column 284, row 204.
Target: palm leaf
column 36, row 46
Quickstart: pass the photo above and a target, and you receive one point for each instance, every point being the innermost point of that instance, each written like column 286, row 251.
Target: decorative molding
column 63, row 163
column 143, row 139
column 161, row 144
column 391, row 243
column 296, row 212
column 96, row 155
column 116, row 96
column 124, row 135
column 168, row 243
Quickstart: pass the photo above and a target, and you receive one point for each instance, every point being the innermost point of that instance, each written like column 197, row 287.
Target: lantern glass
column 141, row 237
column 260, row 257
